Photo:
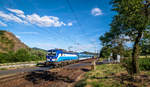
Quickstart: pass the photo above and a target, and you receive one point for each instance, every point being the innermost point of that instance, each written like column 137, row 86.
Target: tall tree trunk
column 146, row 56
column 135, row 55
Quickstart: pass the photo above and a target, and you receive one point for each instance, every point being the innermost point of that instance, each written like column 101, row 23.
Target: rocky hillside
column 9, row 42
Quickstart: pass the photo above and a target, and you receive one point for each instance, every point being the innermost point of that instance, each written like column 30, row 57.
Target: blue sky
column 51, row 24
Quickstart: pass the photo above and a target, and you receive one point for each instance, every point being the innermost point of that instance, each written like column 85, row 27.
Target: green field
column 112, row 75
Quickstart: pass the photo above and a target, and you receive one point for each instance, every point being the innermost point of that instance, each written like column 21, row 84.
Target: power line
column 75, row 16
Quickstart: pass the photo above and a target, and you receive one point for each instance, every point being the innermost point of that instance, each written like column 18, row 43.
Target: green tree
column 105, row 52
column 145, row 44
column 114, row 39
column 38, row 54
column 7, row 57
column 22, row 55
column 133, row 19
column 128, row 52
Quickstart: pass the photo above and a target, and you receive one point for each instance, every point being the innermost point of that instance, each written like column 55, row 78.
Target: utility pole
column 69, row 48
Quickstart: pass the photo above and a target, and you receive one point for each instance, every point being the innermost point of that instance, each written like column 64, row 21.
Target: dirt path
column 58, row 77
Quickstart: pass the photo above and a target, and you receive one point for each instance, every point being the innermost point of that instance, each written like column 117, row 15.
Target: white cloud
column 16, row 11
column 10, row 17
column 19, row 13
column 70, row 24
column 35, row 19
column 96, row 12
column 3, row 24
column 44, row 21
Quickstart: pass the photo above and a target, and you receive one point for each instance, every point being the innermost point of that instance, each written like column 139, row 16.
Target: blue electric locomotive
column 59, row 55
column 55, row 55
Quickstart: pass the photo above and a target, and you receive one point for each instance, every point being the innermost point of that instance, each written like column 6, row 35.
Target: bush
column 38, row 54
column 6, row 57
column 22, row 55
column 144, row 64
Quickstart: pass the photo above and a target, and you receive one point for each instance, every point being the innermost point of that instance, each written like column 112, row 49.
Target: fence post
column 93, row 66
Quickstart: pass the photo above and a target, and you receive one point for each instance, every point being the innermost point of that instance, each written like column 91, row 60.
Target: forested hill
column 9, row 42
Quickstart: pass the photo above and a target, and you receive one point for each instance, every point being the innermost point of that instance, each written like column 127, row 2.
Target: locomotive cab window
column 52, row 53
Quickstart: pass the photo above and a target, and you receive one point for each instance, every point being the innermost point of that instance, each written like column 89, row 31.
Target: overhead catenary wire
column 49, row 33
column 74, row 14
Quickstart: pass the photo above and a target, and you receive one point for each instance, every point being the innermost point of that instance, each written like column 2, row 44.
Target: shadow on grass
column 38, row 76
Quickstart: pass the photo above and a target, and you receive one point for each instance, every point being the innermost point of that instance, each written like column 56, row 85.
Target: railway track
column 12, row 77
column 57, row 77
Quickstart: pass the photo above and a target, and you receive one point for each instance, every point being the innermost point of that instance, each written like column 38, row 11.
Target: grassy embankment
column 113, row 75
column 17, row 65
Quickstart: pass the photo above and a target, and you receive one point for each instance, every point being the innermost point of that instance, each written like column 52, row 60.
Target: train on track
column 59, row 57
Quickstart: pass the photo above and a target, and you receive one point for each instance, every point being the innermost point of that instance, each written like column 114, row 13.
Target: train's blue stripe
column 67, row 58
